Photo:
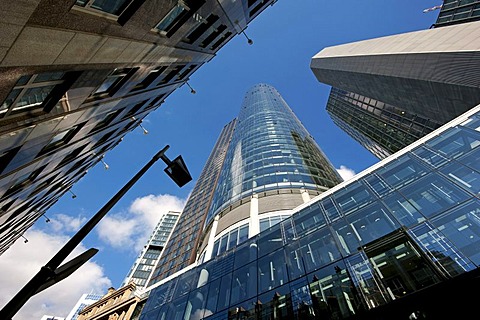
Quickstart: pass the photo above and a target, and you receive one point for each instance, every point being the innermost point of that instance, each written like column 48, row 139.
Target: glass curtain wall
column 270, row 149
column 407, row 225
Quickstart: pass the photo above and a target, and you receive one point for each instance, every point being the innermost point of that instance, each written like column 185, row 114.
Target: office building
column 458, row 11
column 85, row 300
column 389, row 91
column 148, row 258
column 263, row 165
column 399, row 240
column 381, row 128
column 77, row 76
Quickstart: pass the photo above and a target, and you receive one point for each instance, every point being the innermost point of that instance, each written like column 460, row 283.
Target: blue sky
column 286, row 36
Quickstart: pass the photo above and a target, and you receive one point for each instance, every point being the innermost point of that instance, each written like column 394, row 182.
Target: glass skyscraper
column 398, row 241
column 390, row 91
column 381, row 128
column 263, row 165
column 148, row 258
column 272, row 164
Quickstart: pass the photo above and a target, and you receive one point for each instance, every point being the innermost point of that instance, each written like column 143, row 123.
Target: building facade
column 121, row 304
column 381, row 128
column 400, row 240
column 77, row 76
column 264, row 164
column 148, row 258
column 392, row 90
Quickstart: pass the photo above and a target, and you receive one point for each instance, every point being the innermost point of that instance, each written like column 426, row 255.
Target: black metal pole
column 47, row 271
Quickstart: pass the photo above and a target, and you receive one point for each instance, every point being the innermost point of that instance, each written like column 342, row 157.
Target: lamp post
column 52, row 272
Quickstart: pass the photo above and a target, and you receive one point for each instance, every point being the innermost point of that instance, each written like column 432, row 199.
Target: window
column 103, row 139
column 213, row 35
column 110, row 6
column 221, row 40
column 177, row 16
column 109, row 117
column 256, row 9
column 152, row 76
column 172, row 74
column 7, row 156
column 23, row 181
column 186, row 72
column 201, row 28
column 114, row 82
column 135, row 109
column 71, row 156
column 123, row 9
column 61, row 138
column 38, row 92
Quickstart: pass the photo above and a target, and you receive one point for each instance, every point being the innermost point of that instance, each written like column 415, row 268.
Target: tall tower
column 264, row 164
column 148, row 258
column 180, row 251
column 392, row 90
column 272, row 165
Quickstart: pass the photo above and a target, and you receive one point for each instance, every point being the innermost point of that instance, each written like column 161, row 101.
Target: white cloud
column 345, row 173
column 23, row 260
column 131, row 229
column 64, row 223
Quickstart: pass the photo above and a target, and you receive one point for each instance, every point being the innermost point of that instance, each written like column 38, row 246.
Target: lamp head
column 178, row 172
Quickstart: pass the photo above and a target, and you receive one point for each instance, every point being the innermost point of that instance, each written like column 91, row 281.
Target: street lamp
column 52, row 272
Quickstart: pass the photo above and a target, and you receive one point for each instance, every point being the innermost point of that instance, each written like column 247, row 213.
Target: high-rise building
column 458, row 11
column 390, row 91
column 85, row 300
column 76, row 76
column 264, row 164
column 181, row 248
column 399, row 240
column 381, row 128
column 148, row 258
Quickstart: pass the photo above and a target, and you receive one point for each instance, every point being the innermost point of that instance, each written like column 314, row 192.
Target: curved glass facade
column 400, row 238
column 270, row 149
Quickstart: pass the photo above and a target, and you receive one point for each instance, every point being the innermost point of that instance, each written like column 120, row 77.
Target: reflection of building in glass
column 264, row 164
column 148, row 258
column 401, row 237
column 388, row 92
column 77, row 76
